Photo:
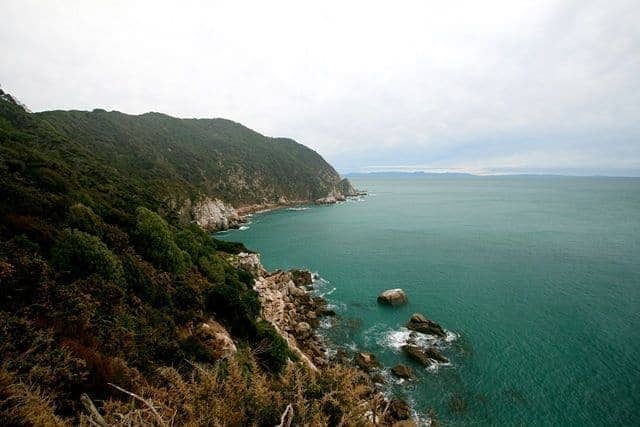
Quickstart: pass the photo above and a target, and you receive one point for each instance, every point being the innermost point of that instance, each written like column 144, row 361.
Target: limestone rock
column 393, row 297
column 211, row 214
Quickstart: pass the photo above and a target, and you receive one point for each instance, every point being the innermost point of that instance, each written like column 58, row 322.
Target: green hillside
column 101, row 284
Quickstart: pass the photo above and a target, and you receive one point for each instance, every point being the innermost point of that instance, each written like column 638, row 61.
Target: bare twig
column 287, row 417
column 94, row 415
column 146, row 402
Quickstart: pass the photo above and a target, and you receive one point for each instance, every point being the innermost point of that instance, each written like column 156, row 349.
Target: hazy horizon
column 533, row 87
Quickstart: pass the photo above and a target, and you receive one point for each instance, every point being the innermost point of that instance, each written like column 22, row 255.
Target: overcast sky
column 479, row 86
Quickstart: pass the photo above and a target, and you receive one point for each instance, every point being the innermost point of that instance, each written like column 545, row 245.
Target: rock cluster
column 249, row 262
column 290, row 306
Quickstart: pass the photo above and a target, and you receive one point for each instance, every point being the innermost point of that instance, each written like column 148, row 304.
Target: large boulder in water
column 414, row 352
column 393, row 297
column 419, row 323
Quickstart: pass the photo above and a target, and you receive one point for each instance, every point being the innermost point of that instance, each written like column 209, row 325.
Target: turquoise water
column 539, row 277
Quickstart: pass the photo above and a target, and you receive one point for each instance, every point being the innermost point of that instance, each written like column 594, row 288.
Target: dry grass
column 24, row 405
column 239, row 393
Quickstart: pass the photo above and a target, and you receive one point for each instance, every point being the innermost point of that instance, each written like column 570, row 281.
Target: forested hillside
column 102, row 287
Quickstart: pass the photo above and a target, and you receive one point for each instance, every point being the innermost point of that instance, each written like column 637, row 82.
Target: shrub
column 235, row 304
column 83, row 218
column 273, row 349
column 83, row 254
column 155, row 241
column 195, row 241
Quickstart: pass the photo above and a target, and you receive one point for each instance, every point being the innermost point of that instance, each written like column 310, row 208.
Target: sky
column 487, row 87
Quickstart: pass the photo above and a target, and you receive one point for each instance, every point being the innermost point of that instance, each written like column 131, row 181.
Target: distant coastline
column 423, row 174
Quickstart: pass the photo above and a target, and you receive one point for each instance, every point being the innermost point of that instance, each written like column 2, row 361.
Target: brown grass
column 237, row 392
column 24, row 405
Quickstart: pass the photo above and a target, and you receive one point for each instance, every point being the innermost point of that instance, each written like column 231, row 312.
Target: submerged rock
column 402, row 371
column 366, row 361
column 420, row 323
column 393, row 297
column 434, row 353
column 324, row 311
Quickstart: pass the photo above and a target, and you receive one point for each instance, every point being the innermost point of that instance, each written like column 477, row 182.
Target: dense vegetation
column 100, row 283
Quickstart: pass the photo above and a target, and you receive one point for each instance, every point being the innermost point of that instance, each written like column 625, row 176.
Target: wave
column 243, row 227
column 301, row 208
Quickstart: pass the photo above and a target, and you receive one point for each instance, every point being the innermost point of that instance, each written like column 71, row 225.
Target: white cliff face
column 211, row 214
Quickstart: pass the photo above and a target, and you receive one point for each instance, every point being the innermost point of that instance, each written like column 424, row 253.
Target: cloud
column 518, row 86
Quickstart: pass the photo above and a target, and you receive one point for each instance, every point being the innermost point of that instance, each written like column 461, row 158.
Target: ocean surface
column 536, row 278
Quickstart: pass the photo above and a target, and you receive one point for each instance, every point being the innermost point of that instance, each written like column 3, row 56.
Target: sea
column 535, row 278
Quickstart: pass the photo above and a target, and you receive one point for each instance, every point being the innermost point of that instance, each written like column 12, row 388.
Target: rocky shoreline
column 214, row 214
column 289, row 303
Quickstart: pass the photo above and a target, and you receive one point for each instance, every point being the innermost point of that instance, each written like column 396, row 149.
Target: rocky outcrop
column 294, row 312
column 414, row 352
column 346, row 188
column 249, row 262
column 209, row 213
column 302, row 277
column 402, row 371
column 425, row 356
column 419, row 323
column 216, row 339
column 366, row 361
column 329, row 200
column 399, row 410
column 393, row 297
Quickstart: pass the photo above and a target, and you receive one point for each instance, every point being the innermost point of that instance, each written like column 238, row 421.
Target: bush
column 235, row 304
column 83, row 218
column 155, row 241
column 83, row 254
column 196, row 242
column 274, row 350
